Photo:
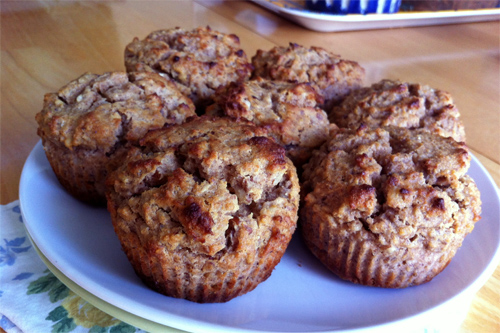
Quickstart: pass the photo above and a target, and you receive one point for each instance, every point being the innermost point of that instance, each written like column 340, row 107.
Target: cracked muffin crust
column 205, row 210
column 287, row 112
column 86, row 125
column 396, row 103
column 388, row 207
column 330, row 75
column 199, row 61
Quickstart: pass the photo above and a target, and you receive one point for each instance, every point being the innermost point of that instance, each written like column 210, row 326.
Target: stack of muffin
column 206, row 160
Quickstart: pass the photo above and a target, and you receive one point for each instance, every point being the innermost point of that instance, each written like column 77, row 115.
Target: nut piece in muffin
column 388, row 207
column 86, row 125
column 394, row 103
column 288, row 112
column 330, row 75
column 205, row 210
column 199, row 61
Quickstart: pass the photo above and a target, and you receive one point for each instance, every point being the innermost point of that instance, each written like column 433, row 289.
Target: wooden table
column 45, row 44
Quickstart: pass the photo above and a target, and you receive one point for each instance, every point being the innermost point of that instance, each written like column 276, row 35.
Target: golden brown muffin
column 86, row 125
column 394, row 103
column 388, row 207
column 332, row 77
column 205, row 210
column 199, row 61
column 288, row 112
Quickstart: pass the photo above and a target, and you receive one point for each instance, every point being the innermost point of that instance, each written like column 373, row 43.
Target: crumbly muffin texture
column 91, row 120
column 388, row 207
column 330, row 75
column 199, row 61
column 287, row 112
column 402, row 104
column 205, row 210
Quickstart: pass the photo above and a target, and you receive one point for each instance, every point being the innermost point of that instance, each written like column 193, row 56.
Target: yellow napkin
column 32, row 299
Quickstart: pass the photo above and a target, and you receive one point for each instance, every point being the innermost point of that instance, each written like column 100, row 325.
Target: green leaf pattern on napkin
column 28, row 290
column 73, row 310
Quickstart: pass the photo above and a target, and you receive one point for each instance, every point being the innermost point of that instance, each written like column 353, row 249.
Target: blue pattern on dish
column 354, row 6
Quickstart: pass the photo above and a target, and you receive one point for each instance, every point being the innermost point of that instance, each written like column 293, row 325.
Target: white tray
column 295, row 11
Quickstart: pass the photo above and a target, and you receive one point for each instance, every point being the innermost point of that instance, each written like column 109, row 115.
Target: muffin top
column 394, row 103
column 98, row 112
column 199, row 61
column 330, row 75
column 393, row 187
column 209, row 186
column 288, row 112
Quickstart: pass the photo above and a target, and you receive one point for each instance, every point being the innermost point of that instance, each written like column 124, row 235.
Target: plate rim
column 122, row 314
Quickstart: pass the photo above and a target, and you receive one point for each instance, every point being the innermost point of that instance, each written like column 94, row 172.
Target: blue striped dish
column 354, row 6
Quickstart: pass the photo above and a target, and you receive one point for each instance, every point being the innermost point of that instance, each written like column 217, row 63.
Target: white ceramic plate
column 79, row 244
column 296, row 12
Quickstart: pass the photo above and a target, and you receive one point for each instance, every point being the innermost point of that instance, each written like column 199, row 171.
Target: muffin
column 86, row 126
column 199, row 61
column 288, row 112
column 388, row 207
column 332, row 77
column 395, row 103
column 204, row 210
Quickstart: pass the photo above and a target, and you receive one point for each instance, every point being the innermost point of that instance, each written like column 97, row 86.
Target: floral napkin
column 32, row 299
